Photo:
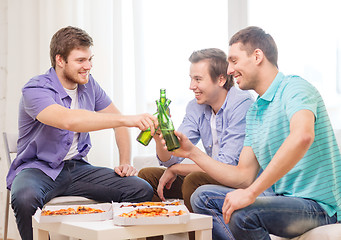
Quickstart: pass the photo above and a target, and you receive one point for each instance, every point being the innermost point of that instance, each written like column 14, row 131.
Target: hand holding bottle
column 186, row 146
column 143, row 122
column 167, row 128
column 146, row 136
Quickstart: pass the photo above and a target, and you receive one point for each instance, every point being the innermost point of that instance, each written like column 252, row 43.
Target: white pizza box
column 119, row 208
column 107, row 207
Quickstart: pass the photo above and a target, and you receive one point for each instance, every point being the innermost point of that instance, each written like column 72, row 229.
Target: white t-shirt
column 215, row 144
column 73, row 151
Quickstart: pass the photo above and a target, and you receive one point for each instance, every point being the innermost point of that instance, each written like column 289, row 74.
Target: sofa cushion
column 326, row 232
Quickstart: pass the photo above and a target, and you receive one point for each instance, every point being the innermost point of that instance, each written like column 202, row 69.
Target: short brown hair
column 218, row 64
column 254, row 37
column 67, row 39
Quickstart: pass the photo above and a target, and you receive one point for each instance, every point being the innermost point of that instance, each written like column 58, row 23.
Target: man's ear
column 259, row 55
column 221, row 80
column 59, row 60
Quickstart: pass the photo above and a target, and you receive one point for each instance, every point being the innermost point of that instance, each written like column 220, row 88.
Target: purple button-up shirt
column 42, row 146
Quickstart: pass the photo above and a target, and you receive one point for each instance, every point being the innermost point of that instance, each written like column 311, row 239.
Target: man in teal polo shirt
column 289, row 135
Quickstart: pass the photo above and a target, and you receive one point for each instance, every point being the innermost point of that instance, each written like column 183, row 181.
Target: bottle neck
column 163, row 95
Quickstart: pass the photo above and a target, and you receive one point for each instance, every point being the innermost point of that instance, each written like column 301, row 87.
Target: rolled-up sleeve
column 35, row 99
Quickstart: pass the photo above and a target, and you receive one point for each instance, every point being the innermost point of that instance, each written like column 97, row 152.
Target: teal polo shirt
column 317, row 175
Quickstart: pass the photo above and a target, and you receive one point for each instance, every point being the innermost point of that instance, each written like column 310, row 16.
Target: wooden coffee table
column 102, row 230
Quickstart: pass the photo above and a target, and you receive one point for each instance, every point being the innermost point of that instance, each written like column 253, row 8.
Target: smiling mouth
column 84, row 74
column 236, row 76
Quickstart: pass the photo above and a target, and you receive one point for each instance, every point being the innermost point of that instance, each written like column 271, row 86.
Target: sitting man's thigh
column 103, row 184
column 279, row 215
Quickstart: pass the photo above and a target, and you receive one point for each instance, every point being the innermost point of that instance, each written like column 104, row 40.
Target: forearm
column 185, row 169
column 226, row 174
column 123, row 142
column 80, row 120
column 87, row 121
column 229, row 175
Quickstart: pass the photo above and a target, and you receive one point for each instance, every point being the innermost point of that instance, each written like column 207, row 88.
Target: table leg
column 39, row 234
column 203, row 234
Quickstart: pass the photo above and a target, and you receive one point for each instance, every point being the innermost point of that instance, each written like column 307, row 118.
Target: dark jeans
column 32, row 188
column 282, row 216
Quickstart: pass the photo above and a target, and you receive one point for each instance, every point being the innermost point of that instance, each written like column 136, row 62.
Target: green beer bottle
column 145, row 136
column 163, row 96
column 167, row 128
column 164, row 100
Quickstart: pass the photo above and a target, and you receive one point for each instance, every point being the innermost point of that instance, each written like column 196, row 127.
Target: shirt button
column 210, row 146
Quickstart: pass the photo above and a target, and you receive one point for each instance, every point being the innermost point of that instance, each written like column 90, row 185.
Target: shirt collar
column 208, row 110
column 271, row 91
column 58, row 85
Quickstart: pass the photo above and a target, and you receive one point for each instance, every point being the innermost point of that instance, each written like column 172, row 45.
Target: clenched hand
column 235, row 200
column 126, row 170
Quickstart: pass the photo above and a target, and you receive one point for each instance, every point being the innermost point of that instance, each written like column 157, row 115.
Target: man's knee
column 199, row 197
column 25, row 200
column 191, row 182
column 144, row 172
column 194, row 178
column 151, row 174
column 140, row 191
column 242, row 220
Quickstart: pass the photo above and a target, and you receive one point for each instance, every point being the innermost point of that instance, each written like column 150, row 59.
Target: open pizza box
column 106, row 215
column 121, row 208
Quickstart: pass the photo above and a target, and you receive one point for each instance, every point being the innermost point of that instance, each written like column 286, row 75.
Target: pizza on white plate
column 151, row 212
column 71, row 211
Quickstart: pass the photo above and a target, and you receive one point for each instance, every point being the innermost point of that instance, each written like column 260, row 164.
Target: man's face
column 206, row 91
column 241, row 67
column 78, row 65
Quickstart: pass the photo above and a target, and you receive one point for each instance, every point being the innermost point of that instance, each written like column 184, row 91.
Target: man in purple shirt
column 56, row 113
column 216, row 117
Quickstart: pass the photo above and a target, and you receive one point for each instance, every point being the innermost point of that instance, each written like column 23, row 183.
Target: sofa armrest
column 326, row 232
column 140, row 162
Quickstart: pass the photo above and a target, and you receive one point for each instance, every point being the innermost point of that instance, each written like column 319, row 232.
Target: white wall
column 3, row 109
column 26, row 28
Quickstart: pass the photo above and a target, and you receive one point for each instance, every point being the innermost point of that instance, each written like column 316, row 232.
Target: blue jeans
column 32, row 188
column 270, row 214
